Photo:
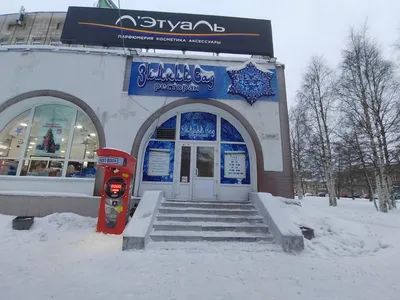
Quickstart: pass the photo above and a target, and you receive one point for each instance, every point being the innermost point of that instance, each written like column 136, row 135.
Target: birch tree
column 299, row 138
column 317, row 97
column 369, row 90
column 356, row 142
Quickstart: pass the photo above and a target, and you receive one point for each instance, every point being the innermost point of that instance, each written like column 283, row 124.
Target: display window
column 51, row 141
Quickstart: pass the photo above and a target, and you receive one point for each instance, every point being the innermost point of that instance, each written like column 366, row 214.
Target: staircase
column 196, row 221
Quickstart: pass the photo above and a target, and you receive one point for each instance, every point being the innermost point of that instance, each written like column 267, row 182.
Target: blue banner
column 248, row 81
column 200, row 126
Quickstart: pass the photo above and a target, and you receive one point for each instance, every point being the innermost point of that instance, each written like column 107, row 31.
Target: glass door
column 185, row 177
column 204, row 173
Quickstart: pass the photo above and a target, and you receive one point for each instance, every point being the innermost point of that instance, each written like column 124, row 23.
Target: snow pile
column 354, row 228
column 62, row 257
column 51, row 228
column 65, row 221
column 344, row 230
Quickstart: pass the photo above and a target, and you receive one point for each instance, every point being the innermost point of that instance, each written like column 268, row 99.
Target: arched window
column 161, row 147
column 49, row 140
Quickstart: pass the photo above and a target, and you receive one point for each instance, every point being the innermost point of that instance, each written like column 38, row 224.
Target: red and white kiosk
column 115, row 205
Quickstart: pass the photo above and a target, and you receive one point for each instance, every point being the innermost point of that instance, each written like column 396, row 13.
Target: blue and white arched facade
column 210, row 157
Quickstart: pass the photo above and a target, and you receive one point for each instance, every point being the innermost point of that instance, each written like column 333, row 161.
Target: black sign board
column 173, row 31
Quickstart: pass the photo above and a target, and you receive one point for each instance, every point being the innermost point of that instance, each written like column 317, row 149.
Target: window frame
column 4, row 42
column 55, row 42
column 20, row 41
column 23, row 155
column 37, row 41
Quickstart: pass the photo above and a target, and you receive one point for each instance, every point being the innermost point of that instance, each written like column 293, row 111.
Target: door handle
column 197, row 172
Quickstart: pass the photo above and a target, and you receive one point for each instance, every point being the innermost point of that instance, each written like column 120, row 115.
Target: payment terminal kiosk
column 115, row 205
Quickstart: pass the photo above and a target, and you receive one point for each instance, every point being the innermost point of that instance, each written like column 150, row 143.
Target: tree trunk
column 351, row 179
column 388, row 167
column 316, row 96
column 383, row 193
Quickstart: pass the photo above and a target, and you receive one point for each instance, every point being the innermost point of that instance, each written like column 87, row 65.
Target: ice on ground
column 354, row 256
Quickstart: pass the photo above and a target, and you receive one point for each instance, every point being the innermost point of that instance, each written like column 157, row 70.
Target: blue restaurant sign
column 202, row 82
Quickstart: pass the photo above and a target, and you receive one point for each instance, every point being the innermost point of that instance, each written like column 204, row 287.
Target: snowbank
column 353, row 228
column 62, row 256
column 51, row 228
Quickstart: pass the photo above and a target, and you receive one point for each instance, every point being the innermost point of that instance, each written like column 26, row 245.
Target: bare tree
column 369, row 90
column 317, row 98
column 299, row 141
column 357, row 147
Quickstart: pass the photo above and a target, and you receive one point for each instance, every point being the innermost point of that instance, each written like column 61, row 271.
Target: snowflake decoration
column 19, row 130
column 250, row 82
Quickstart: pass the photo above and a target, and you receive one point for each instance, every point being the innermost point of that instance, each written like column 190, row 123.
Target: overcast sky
column 301, row 28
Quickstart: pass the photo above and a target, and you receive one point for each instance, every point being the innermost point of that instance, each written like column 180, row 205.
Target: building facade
column 37, row 28
column 197, row 131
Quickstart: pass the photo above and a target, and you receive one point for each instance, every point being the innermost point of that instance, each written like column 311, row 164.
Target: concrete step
column 217, row 205
column 195, row 236
column 205, row 226
column 208, row 211
column 224, row 247
column 209, row 218
column 207, row 201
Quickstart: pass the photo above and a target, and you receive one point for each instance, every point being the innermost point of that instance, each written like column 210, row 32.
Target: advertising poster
column 159, row 162
column 50, row 126
column 235, row 164
column 50, row 137
column 158, row 165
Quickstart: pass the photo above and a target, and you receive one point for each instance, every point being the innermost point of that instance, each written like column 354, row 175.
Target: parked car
column 321, row 194
column 368, row 196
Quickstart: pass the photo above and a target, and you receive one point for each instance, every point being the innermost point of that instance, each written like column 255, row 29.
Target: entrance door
column 186, row 172
column 204, row 172
column 197, row 172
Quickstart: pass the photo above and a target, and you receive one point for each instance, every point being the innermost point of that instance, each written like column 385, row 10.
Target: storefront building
column 201, row 127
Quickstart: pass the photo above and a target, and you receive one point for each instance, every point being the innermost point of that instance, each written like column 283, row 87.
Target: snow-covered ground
column 355, row 255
